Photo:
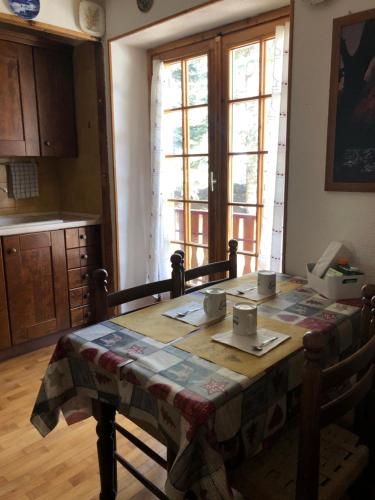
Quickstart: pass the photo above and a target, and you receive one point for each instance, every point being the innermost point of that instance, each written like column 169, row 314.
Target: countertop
column 36, row 222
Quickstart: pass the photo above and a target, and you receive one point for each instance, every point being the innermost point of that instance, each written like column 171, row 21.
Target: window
column 186, row 154
column 217, row 125
column 249, row 90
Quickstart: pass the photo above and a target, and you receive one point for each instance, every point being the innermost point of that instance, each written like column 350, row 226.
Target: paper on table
column 248, row 292
column 247, row 343
column 196, row 316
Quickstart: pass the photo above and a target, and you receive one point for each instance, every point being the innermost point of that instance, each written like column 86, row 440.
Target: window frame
column 218, row 43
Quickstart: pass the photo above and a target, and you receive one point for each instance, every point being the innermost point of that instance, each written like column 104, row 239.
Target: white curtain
column 158, row 256
column 271, row 244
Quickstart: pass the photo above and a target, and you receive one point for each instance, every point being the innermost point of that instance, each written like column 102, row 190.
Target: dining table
column 213, row 405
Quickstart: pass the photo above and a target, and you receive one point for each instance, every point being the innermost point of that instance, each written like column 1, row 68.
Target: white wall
column 315, row 216
column 124, row 16
column 62, row 13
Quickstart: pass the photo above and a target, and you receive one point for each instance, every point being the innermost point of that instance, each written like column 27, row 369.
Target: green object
column 347, row 270
column 333, row 272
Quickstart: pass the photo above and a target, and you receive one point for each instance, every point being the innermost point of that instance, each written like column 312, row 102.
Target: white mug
column 215, row 303
column 245, row 319
column 266, row 282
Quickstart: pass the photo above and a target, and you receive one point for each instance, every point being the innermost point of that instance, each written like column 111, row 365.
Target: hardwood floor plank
column 62, row 466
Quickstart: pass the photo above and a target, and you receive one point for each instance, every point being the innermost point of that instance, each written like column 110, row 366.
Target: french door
column 188, row 141
column 217, row 96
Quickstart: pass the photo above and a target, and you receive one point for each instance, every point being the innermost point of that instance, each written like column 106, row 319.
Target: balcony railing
column 244, row 231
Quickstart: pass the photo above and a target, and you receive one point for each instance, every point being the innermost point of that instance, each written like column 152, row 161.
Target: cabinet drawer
column 82, row 257
column 71, row 238
column 82, row 237
column 89, row 235
column 80, row 316
column 79, row 296
column 79, row 277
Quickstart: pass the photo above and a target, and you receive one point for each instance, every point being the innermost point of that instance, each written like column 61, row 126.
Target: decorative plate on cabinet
column 28, row 9
column 92, row 18
column 145, row 5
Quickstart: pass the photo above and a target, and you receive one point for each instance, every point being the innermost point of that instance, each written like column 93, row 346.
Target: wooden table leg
column 106, row 444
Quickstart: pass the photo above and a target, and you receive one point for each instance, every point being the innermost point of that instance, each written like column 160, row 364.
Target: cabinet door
column 4, row 322
column 18, row 127
column 36, row 276
column 55, row 93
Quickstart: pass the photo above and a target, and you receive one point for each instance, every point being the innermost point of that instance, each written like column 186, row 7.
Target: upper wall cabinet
column 18, row 127
column 55, row 96
column 37, row 114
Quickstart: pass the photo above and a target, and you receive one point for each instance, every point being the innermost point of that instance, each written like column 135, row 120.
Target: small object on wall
column 351, row 119
column 92, row 18
column 27, row 9
column 145, row 5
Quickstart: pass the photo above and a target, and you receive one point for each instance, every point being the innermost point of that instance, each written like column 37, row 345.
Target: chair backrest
column 225, row 266
column 104, row 301
column 317, row 411
column 368, row 292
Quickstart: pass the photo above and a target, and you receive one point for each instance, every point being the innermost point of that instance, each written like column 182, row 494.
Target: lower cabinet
column 45, row 282
column 36, row 274
column 5, row 340
column 82, row 257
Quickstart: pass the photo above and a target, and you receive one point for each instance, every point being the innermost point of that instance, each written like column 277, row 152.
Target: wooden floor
column 63, row 465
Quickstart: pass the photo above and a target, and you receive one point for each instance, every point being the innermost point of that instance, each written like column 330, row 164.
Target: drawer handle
column 47, row 143
column 85, row 276
column 87, row 295
column 87, row 314
column 12, row 250
column 83, row 237
column 85, row 256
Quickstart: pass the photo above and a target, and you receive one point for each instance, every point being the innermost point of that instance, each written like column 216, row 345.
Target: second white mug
column 266, row 282
column 215, row 303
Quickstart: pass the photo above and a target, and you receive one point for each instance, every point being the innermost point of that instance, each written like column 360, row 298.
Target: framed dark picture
column 351, row 120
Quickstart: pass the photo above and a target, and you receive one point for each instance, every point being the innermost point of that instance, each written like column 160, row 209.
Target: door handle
column 213, row 182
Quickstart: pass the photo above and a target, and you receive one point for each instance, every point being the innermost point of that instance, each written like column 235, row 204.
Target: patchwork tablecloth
column 208, row 414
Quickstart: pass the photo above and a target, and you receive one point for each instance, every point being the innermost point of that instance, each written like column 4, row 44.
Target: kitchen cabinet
column 55, row 98
column 37, row 111
column 45, row 282
column 5, row 340
column 37, row 285
column 18, row 128
column 83, row 256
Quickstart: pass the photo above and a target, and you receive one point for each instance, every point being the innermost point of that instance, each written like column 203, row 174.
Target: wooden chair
column 326, row 459
column 225, row 266
column 368, row 292
column 104, row 301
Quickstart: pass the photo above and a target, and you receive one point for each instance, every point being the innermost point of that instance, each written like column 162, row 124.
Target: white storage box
column 336, row 287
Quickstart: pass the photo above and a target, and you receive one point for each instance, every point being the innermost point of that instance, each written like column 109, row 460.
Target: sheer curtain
column 159, row 248
column 271, row 244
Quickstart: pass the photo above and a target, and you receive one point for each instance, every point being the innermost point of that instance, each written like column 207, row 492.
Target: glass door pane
column 187, row 156
column 249, row 86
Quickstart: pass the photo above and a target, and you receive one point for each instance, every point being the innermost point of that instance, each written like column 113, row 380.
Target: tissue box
column 336, row 287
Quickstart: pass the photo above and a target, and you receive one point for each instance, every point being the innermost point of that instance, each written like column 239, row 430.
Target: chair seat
column 272, row 474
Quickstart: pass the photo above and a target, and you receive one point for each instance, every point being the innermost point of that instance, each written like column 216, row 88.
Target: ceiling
column 204, row 18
